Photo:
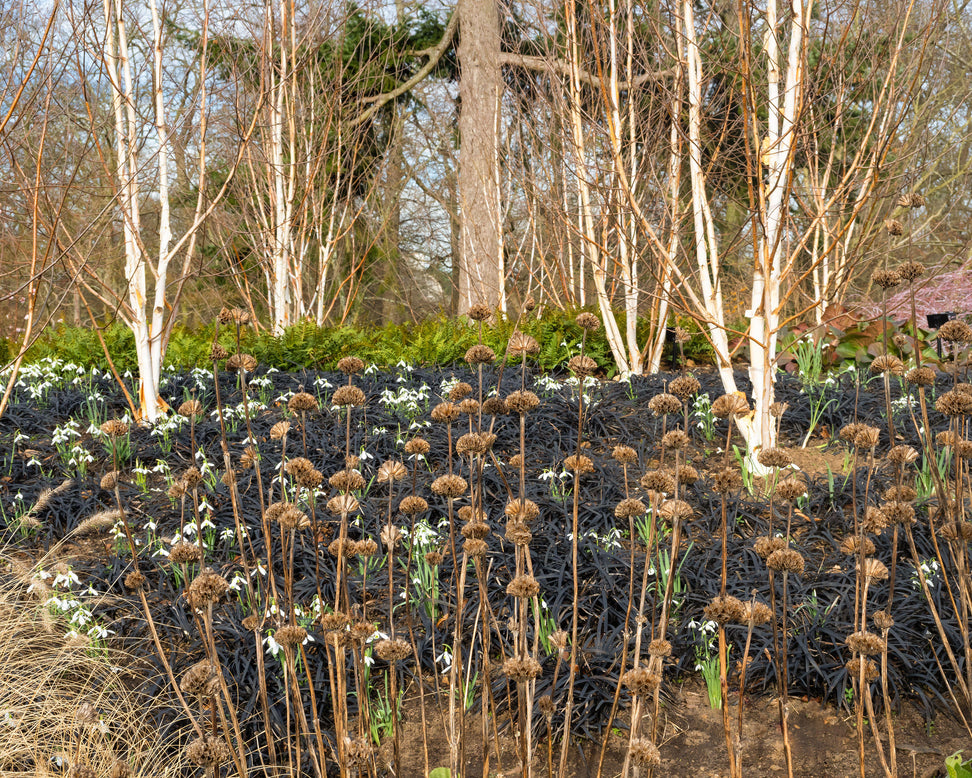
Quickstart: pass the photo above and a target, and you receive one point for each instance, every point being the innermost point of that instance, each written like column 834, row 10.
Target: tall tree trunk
column 480, row 90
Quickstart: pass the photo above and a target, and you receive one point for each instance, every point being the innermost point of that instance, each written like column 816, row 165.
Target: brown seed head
column 347, row 481
column 207, row 588
column 348, row 396
column 957, row 530
column 522, row 401
column 480, row 355
column 434, row 558
column 469, row 406
column 578, row 463
column 899, row 512
column 191, row 478
column 777, row 409
column 279, row 430
column 474, row 547
column 289, row 636
column 246, row 363
column 774, row 457
column 522, row 510
column 867, row 437
column 725, row 610
column 874, row 569
column 390, row 471
column 684, row 386
column 523, row 587
column 217, row 353
column 901, row 493
column 675, row 440
column 342, row 504
column 417, row 446
column 786, row 560
column 664, row 403
column 475, row 443
column 394, row 650
column 866, row 643
column 766, row 545
column 518, row 533
column 302, row 402
column 629, row 508
column 894, row 227
column 675, row 510
column 954, row 403
column 727, row 480
column 521, row 344
column 874, row 520
column 412, row 505
column 727, row 405
column 183, row 553
column 757, row 613
column 114, row 428
column 110, row 479
column 475, row 529
column 390, row 536
column 460, row 391
column 495, row 406
column 887, row 279
column 480, row 312
column 644, row 753
column 920, row 376
column 902, row 455
column 641, row 681
column 870, row 669
column 658, row 481
column 882, row 620
column 791, row 489
column 207, row 751
column 451, row 486
column 887, row 363
column 624, row 455
column 191, row 408
column 588, row 321
column 134, row 580
column 200, row 680
column 660, row 648
column 87, row 715
column 350, row 365
column 582, row 366
column 851, row 545
column 848, row 432
column 911, row 270
column 521, row 669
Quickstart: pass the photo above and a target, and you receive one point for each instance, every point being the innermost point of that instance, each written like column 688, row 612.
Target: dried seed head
column 955, row 331
column 725, row 610
column 98, row 522
column 474, row 547
column 894, row 227
column 887, row 363
column 279, row 430
column 351, row 461
column 582, row 366
column 900, row 494
column 867, row 437
column 292, row 518
column 390, row 536
column 176, row 491
column 350, row 365
column 451, row 486
column 191, row 478
column 874, row 520
column 786, row 560
column 445, row 412
column 87, row 714
column 684, row 386
column 81, row 770
column 347, row 481
column 521, row 669
column 658, row 481
column 475, row 529
column 335, row 622
column 882, row 620
column 342, row 548
column 675, row 510
column 495, row 406
column 207, row 751
column 777, row 409
column 902, row 455
column 866, row 643
column 887, row 279
column 114, row 428
column 120, row 769
column 246, row 363
column 899, row 512
column 302, row 402
column 629, row 508
column 911, row 270
column 134, row 580
column 348, row 396
column 559, row 639
column 183, row 553
column 522, row 510
column 641, row 681
column 664, row 403
column 588, row 321
column 251, row 623
column 727, row 405
column 791, row 489
column 523, row 586
column 522, row 401
column 675, row 440
column 757, row 613
column 225, row 316
column 289, row 636
column 417, row 446
column 297, row 466
column 358, row 752
column 191, row 408
column 578, row 463
column 546, row 706
column 433, row 558
column 412, row 505
column 851, row 545
column 765, row 545
column 200, row 680
column 774, row 457
column 910, row 200
column 848, row 432
column 365, row 548
column 480, row 355
column 687, row 474
column 518, row 533
column 644, row 753
column 475, row 443
column 110, row 479
column 870, row 668
column 874, row 569
column 207, row 588
column 480, row 312
column 390, row 471
column 660, row 648
column 624, row 455
column 521, row 344
column 217, row 353
column 469, row 406
column 393, row 650
column 342, row 504
column 954, row 403
column 920, row 376
column 957, row 530
column 727, row 480
column 460, row 391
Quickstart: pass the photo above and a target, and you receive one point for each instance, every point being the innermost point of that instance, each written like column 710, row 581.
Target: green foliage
column 957, row 768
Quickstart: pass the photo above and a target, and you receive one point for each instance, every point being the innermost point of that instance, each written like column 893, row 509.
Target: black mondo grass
column 340, row 603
